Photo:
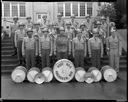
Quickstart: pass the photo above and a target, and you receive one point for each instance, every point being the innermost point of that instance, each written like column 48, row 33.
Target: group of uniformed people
column 65, row 40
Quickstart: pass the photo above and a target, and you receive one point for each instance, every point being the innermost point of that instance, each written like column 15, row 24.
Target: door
column 40, row 16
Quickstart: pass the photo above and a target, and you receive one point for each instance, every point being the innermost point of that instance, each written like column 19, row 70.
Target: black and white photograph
column 64, row 50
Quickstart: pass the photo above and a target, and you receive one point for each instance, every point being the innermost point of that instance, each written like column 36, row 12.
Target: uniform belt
column 95, row 48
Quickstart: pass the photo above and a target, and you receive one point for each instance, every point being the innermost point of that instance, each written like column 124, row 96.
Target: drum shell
column 55, row 66
column 108, row 71
column 31, row 73
column 89, row 78
column 20, row 72
column 39, row 78
column 79, row 77
column 49, row 76
column 95, row 71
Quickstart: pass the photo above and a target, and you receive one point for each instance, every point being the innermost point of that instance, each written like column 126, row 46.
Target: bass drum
column 64, row 70
column 109, row 73
column 19, row 74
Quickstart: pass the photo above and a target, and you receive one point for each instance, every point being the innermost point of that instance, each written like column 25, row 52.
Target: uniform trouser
column 95, row 58
column 79, row 58
column 114, row 59
column 12, row 38
column 45, row 58
column 62, row 55
column 30, row 58
column 19, row 49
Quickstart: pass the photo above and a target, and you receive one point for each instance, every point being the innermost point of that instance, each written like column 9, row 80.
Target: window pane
column 60, row 8
column 82, row 9
column 22, row 10
column 75, row 8
column 14, row 10
column 6, row 9
column 67, row 9
column 89, row 8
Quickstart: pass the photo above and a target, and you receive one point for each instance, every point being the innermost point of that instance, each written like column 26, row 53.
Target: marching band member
column 19, row 35
column 29, row 49
column 13, row 28
column 29, row 23
column 45, row 46
column 60, row 22
column 88, row 24
column 44, row 22
column 95, row 48
column 62, row 45
column 114, row 47
column 73, row 22
column 79, row 49
column 36, row 29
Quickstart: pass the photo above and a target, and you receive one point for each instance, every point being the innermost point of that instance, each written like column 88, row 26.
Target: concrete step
column 7, row 48
column 7, row 41
column 9, row 61
column 6, row 44
column 7, row 52
column 8, row 57
column 9, row 66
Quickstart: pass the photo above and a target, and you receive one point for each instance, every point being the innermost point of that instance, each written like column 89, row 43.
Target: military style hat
column 95, row 30
column 29, row 30
column 112, row 23
column 21, row 24
column 29, row 17
column 68, row 23
column 61, row 29
column 87, row 16
column 103, row 18
column 98, row 22
column 15, row 17
column 82, row 24
column 59, row 15
column 73, row 16
column 45, row 30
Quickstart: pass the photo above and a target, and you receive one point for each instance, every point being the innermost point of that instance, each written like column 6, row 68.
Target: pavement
column 65, row 91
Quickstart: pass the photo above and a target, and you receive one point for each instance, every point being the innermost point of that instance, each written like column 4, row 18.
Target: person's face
column 113, row 34
column 44, row 18
column 72, row 18
column 82, row 27
column 21, row 27
column 45, row 33
column 61, row 32
column 29, row 34
column 15, row 20
column 37, row 26
column 88, row 18
column 68, row 25
column 29, row 19
column 59, row 18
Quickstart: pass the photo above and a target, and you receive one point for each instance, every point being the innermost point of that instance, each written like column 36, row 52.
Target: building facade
column 37, row 9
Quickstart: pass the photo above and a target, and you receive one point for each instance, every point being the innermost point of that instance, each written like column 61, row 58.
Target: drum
column 39, row 78
column 48, row 74
column 64, row 70
column 80, row 73
column 109, row 73
column 31, row 74
column 97, row 74
column 19, row 74
column 89, row 78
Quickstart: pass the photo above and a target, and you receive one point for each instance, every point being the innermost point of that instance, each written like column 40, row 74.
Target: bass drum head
column 110, row 75
column 97, row 75
column 48, row 74
column 79, row 75
column 64, row 70
column 39, row 78
column 18, row 76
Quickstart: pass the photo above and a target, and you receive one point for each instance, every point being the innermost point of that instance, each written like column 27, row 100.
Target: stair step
column 7, row 48
column 8, row 57
column 7, row 41
column 7, row 52
column 10, row 61
column 9, row 66
column 6, row 44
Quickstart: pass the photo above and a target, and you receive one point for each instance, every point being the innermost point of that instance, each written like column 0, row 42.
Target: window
column 14, row 9
column 67, row 9
column 6, row 9
column 89, row 8
column 22, row 10
column 82, row 9
column 75, row 8
column 60, row 8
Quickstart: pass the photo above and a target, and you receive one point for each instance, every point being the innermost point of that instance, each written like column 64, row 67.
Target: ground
column 71, row 90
